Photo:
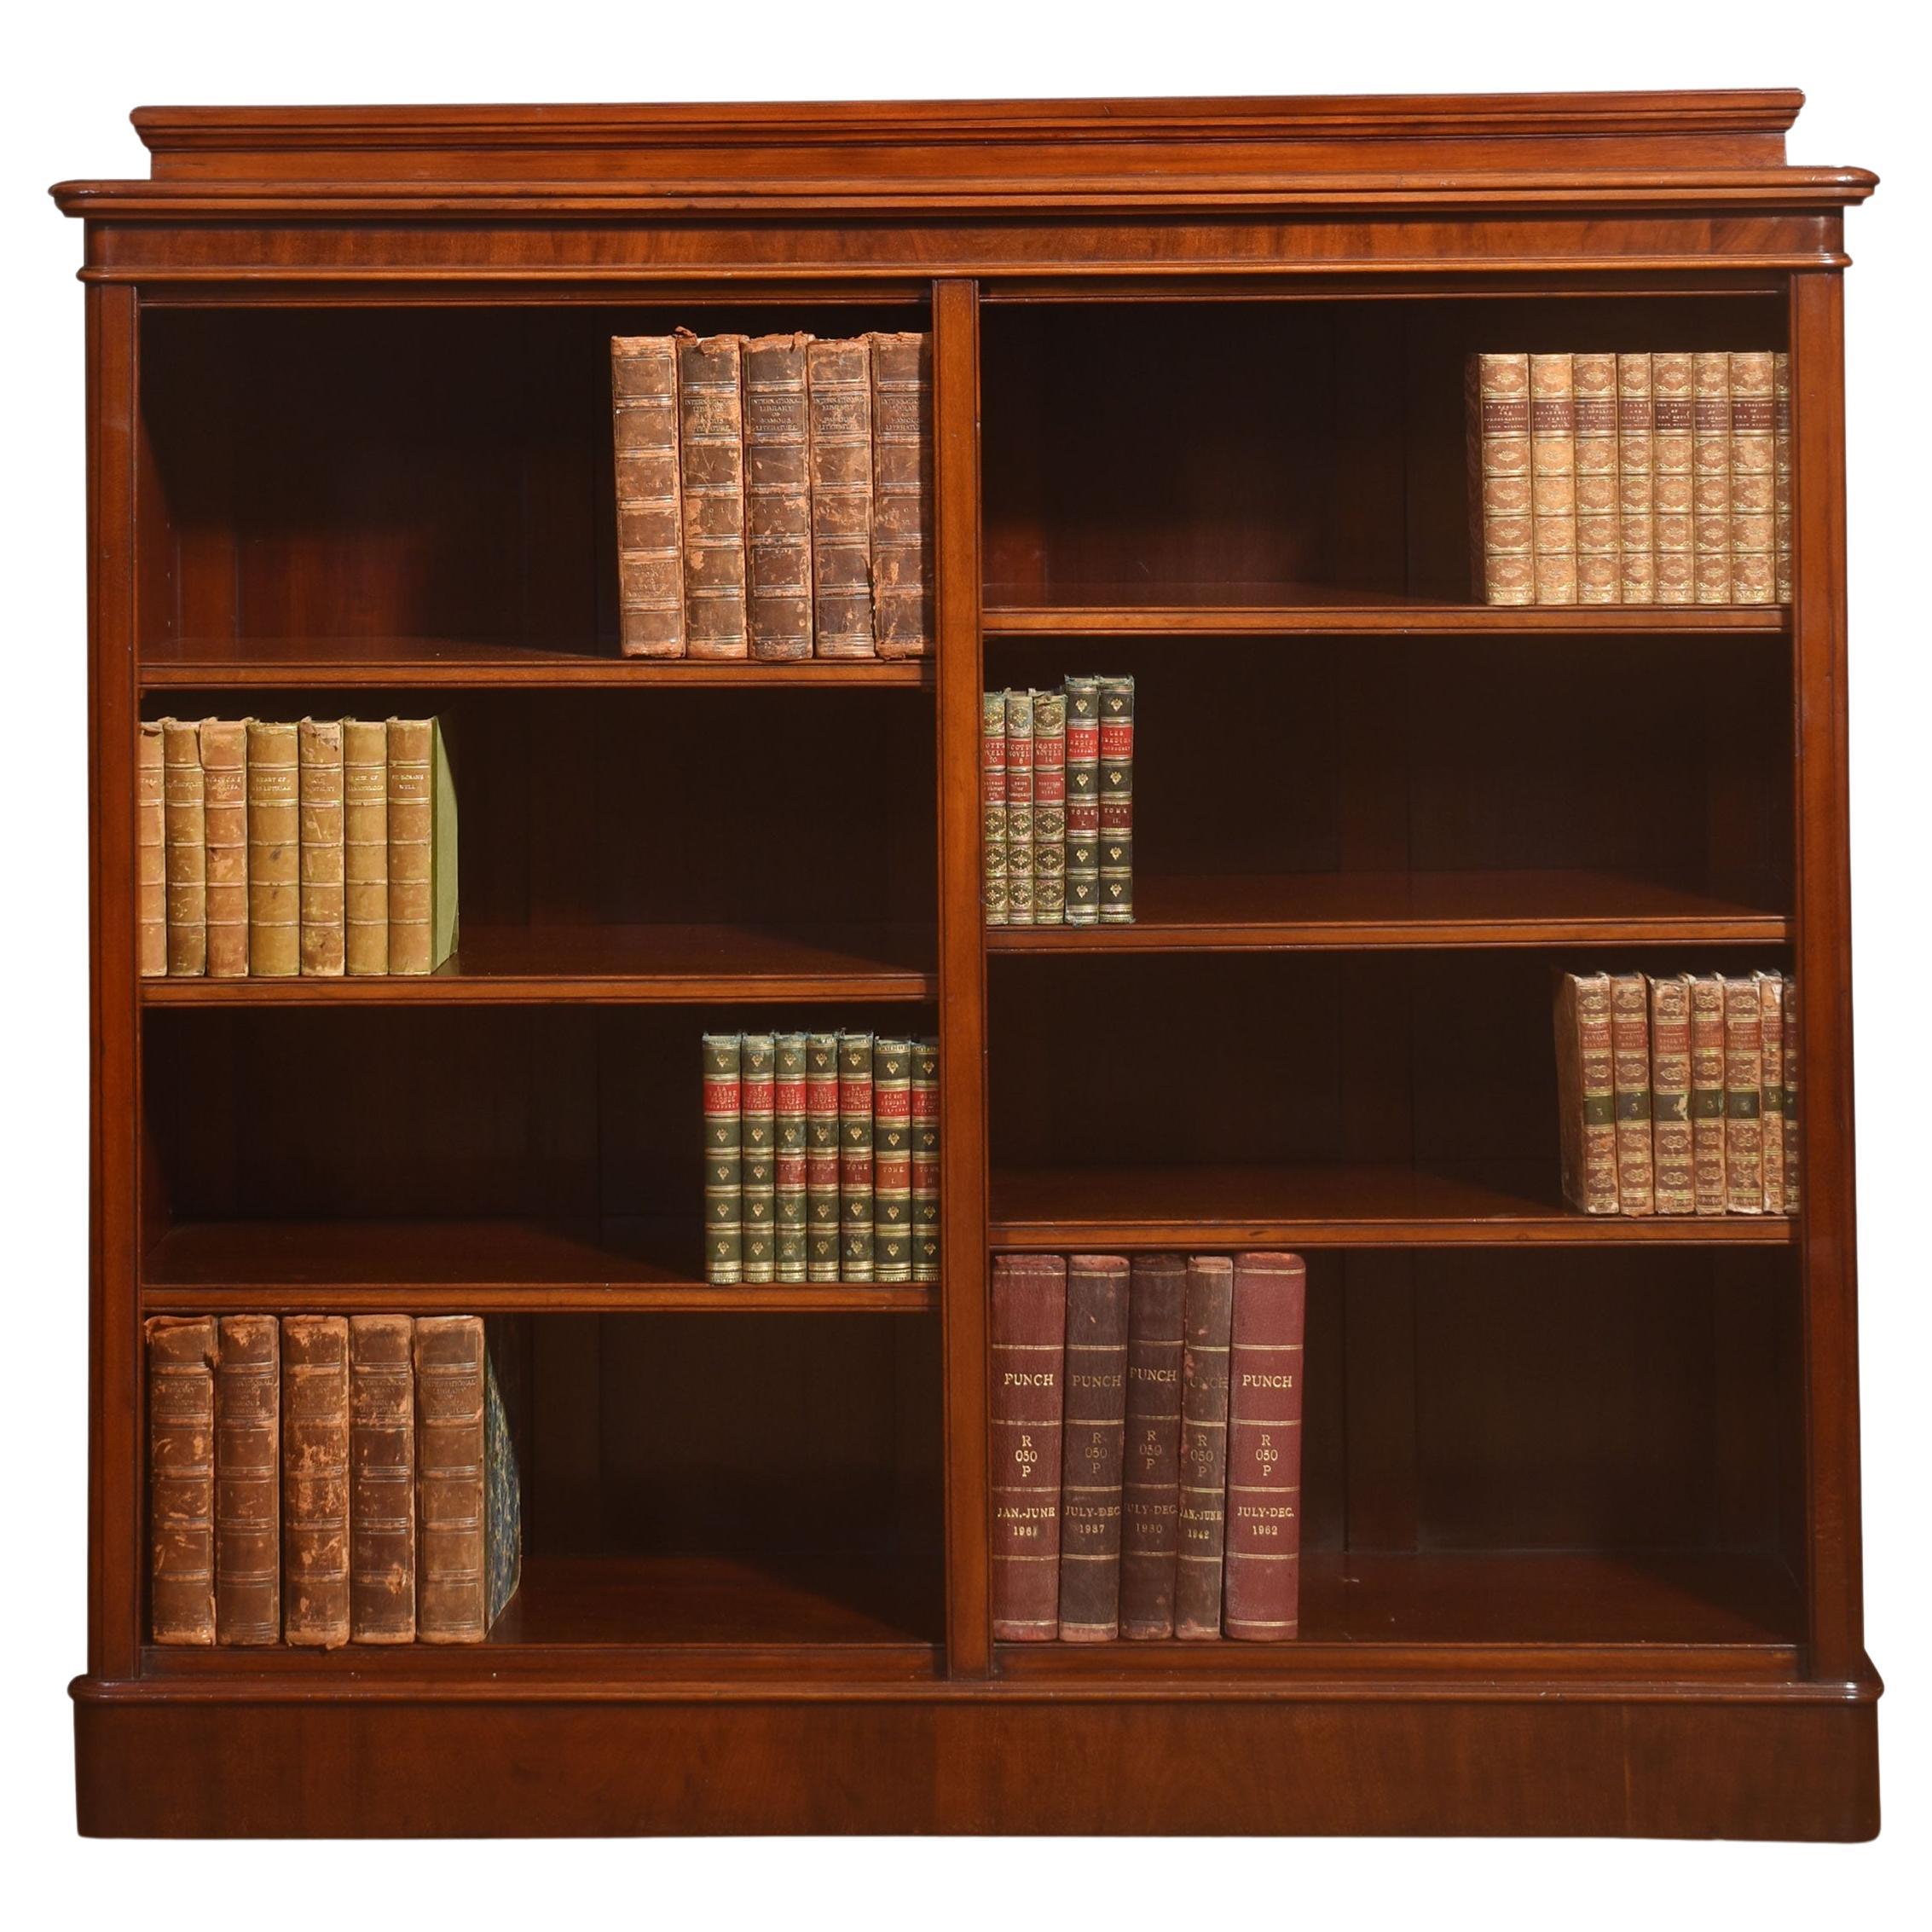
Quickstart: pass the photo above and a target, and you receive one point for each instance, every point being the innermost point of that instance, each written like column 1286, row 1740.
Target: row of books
column 774, row 495
column 324, row 1479
column 1146, row 1422
column 1057, row 773
column 1679, row 1092
column 1644, row 478
column 821, row 1156
column 324, row 847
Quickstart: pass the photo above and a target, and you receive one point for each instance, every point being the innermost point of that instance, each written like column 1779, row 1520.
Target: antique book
column 778, row 497
column 724, row 1164
column 1082, row 864
column 1116, row 801
column 1710, row 517
column 273, row 879
column 1753, row 578
column 382, row 1479
column 711, row 465
column 1598, row 574
column 1050, row 808
column 1792, row 1143
column 1150, row 1484
column 1743, row 1097
column 151, row 853
column 1026, row 1331
column 891, row 1160
column 314, row 1480
column 925, row 1160
column 789, row 1101
column 1771, row 1110
column 1552, row 478
column 1636, row 535
column 422, row 848
column 822, row 1247
column 1502, row 551
column 1781, row 475
column 651, row 566
column 1673, row 1153
column 1019, row 807
column 181, row 1478
column 1092, row 1446
column 902, row 493
column 364, row 846
column 1262, row 1571
column 1586, row 1087
column 992, row 804
column 1203, row 1520
column 319, row 751
column 758, row 1104
column 841, row 378
column 184, row 829
column 225, row 830
column 248, row 1480
column 855, row 1157
column 1707, row 1093
column 1630, row 1048
column 1673, row 475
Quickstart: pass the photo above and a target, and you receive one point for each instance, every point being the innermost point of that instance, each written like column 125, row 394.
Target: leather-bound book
column 723, row 1159
column 777, row 496
column 1770, row 1112
column 364, row 846
column 1673, row 475
column 841, row 375
column 1743, row 1097
column 1636, row 533
column 822, row 1157
column 1598, row 575
column 1673, row 1152
column 323, row 948
column 711, row 454
column 1019, row 807
column 1710, row 517
column 422, row 848
column 855, row 1157
column 274, row 851
column 1792, row 1140
column 184, row 829
column 1150, row 1498
column 382, row 1479
column 151, row 853
column 891, row 1160
column 1092, row 1446
column 789, row 1089
column 758, row 1097
column 181, row 1478
column 1552, row 465
column 1082, row 864
column 1264, row 1392
column 225, row 821
column 992, row 804
column 651, row 562
column 1781, row 476
column 1753, row 477
column 1500, row 546
column 1116, row 801
column 1050, row 808
column 925, row 1160
column 1630, row 1047
column 248, row 1481
column 453, row 1594
column 1586, row 1087
column 1712, row 1193
column 1026, row 1337
column 314, row 1480
column 902, row 494
column 1202, row 1526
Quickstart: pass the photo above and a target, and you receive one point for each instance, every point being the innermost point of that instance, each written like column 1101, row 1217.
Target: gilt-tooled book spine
column 1263, row 1571
column 412, row 846
column 1710, row 520
column 892, row 1160
column 1792, row 1139
column 821, row 1236
column 382, row 1479
column 1743, row 1097
column 183, row 824
column 1673, row 475
column 323, row 948
column 1553, row 464
column 1586, row 1085
column 1019, row 807
column 1671, row 1140
column 181, row 1478
column 1050, row 808
column 902, row 494
column 1500, row 542
column 1151, row 1479
column 1092, row 1448
column 711, row 461
column 1771, row 1113
column 1082, row 880
column 364, row 846
column 1027, row 1332
column 855, row 1157
column 758, row 1097
column 1116, row 801
column 1203, row 1446
column 992, row 804
column 1781, row 475
column 724, row 1160
column 1636, row 535
column 1707, row 1093
column 1599, row 577
column 1753, row 478
column 1630, row 1047
column 314, row 1480
column 841, row 379
column 925, row 1160
column 789, row 1101
column 274, row 851
column 650, row 553
column 225, row 801
column 248, row 1481
column 777, row 496
column 452, row 1592
column 151, row 853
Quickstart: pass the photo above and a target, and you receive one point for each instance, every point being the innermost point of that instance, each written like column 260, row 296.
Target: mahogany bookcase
column 1581, row 1496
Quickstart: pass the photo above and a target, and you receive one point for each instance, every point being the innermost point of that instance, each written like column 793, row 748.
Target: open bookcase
column 1580, row 1496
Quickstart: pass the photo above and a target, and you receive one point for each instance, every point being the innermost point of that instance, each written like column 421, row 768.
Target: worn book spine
column 1026, row 1331
column 822, row 1238
column 1753, row 478
column 226, row 800
column 364, row 846
column 992, row 804
column 151, row 853
column 711, row 461
column 777, row 496
column 1263, row 1571
column 891, row 1160
column 1503, row 553
column 855, row 1157
column 1019, row 807
column 1781, row 475
column 319, row 749
column 1082, row 881
column 758, row 1097
column 1092, row 1446
column 723, row 1159
column 1673, row 475
column 840, row 380
column 1707, row 1093
column 412, row 846
column 651, row 566
column 902, row 494
column 1710, row 524
column 1743, row 1097
column 183, row 824
column 1586, row 1085
column 1792, row 1138
column 382, row 1479
column 1598, row 574
column 181, row 1478
column 1050, row 808
column 1636, row 534
column 1630, row 1048
column 314, row 1480
column 1770, row 1112
column 274, row 851
column 789, row 1087
column 1673, row 1158
column 248, row 1481
column 1116, row 801
column 1552, row 463
column 1150, row 1485
column 452, row 1591
column 1203, row 1496
column 925, row 1160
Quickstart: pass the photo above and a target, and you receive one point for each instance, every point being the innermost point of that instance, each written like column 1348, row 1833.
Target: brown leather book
column 1743, row 1097
column 365, row 846
column 382, row 1479
column 1754, row 577
column 319, row 744
column 1707, row 1093
column 1203, row 1446
column 1500, row 532
column 1636, row 502
column 451, row 1605
column 1263, row 1571
column 314, row 1480
column 248, row 1481
column 1599, row 577
column 777, row 496
column 1781, row 475
column 902, row 493
column 412, row 845
column 1672, row 1141
column 1091, row 1448
column 1027, row 1339
column 1553, row 464
column 1710, row 517
column 651, row 566
column 1792, row 1139
column 1673, row 475
column 181, row 1478
column 1630, row 1048
column 1150, row 1498
column 224, row 794
column 151, row 853
column 841, row 376
column 1586, row 1088
column 183, row 820
column 711, row 456
column 274, row 851
column 1771, row 1113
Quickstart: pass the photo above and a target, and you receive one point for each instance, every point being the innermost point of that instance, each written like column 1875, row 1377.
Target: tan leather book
column 1636, row 534
column 1673, row 475
column 1672, row 1142
column 451, row 1600
column 181, row 1478
column 902, row 493
column 1552, row 465
column 1498, row 398
column 411, row 856
column 314, row 1480
column 1586, row 1083
column 650, row 559
column 382, row 1479
column 248, row 1481
column 1753, row 477
column 1793, row 1149
column 151, row 853
column 1707, row 1093
column 1630, row 1046
column 1599, row 577
column 1744, row 1096
column 364, row 846
column 1710, row 517
column 1770, row 1112
column 224, row 791
column 183, row 830
column 777, row 496
column 274, row 851
column 711, row 454
column 842, row 498
column 1781, row 475
column 323, row 947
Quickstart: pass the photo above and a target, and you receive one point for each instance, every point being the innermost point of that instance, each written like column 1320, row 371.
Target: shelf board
column 1313, row 910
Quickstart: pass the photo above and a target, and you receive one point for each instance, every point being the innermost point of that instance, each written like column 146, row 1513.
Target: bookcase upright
column 1580, row 1496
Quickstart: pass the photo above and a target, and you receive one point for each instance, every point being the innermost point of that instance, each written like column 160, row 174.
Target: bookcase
column 1581, row 1497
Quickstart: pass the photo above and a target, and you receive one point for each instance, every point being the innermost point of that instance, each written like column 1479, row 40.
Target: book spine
column 314, row 1480
column 992, row 803
column 1203, row 1496
column 840, row 387
column 274, row 851
column 452, row 1601
column 1092, row 1446
column 1018, row 808
column 758, row 1098
column 1781, row 475
column 902, row 494
column 382, row 1479
column 412, row 854
column 1636, row 536
column 1673, row 475
column 1630, row 1046
column 1050, row 808
column 1264, row 1396
column 1793, row 1140
column 1673, row 1152
column 1586, row 1083
column 184, row 827
column 855, row 1157
column 925, row 1160
column 1150, row 1485
column 777, row 496
column 1500, row 536
column 1743, row 1097
column 1707, row 1093
column 1599, row 549
column 1710, row 524
column 1553, row 464
column 1082, row 866
column 650, row 562
column 248, row 1481
column 892, row 1160
column 723, row 1159
column 364, row 846
column 789, row 1101
column 1026, row 1331
column 1771, row 1020
column 711, row 459
column 151, row 853
column 1753, row 480
column 1116, row 801
column 225, row 794
column 319, row 753
column 181, row 1478
column 822, row 1244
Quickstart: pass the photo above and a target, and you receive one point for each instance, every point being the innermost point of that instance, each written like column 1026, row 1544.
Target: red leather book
column 314, row 1480
column 181, row 1478
column 1091, row 1448
column 1150, row 1485
column 248, row 1481
column 1026, row 1351
column 1262, row 1571
column 1203, row 1446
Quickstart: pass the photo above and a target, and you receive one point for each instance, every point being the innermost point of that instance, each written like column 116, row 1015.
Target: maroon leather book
column 1203, row 1446
column 1091, row 1448
column 1262, row 1571
column 1150, row 1485
column 1027, row 1349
